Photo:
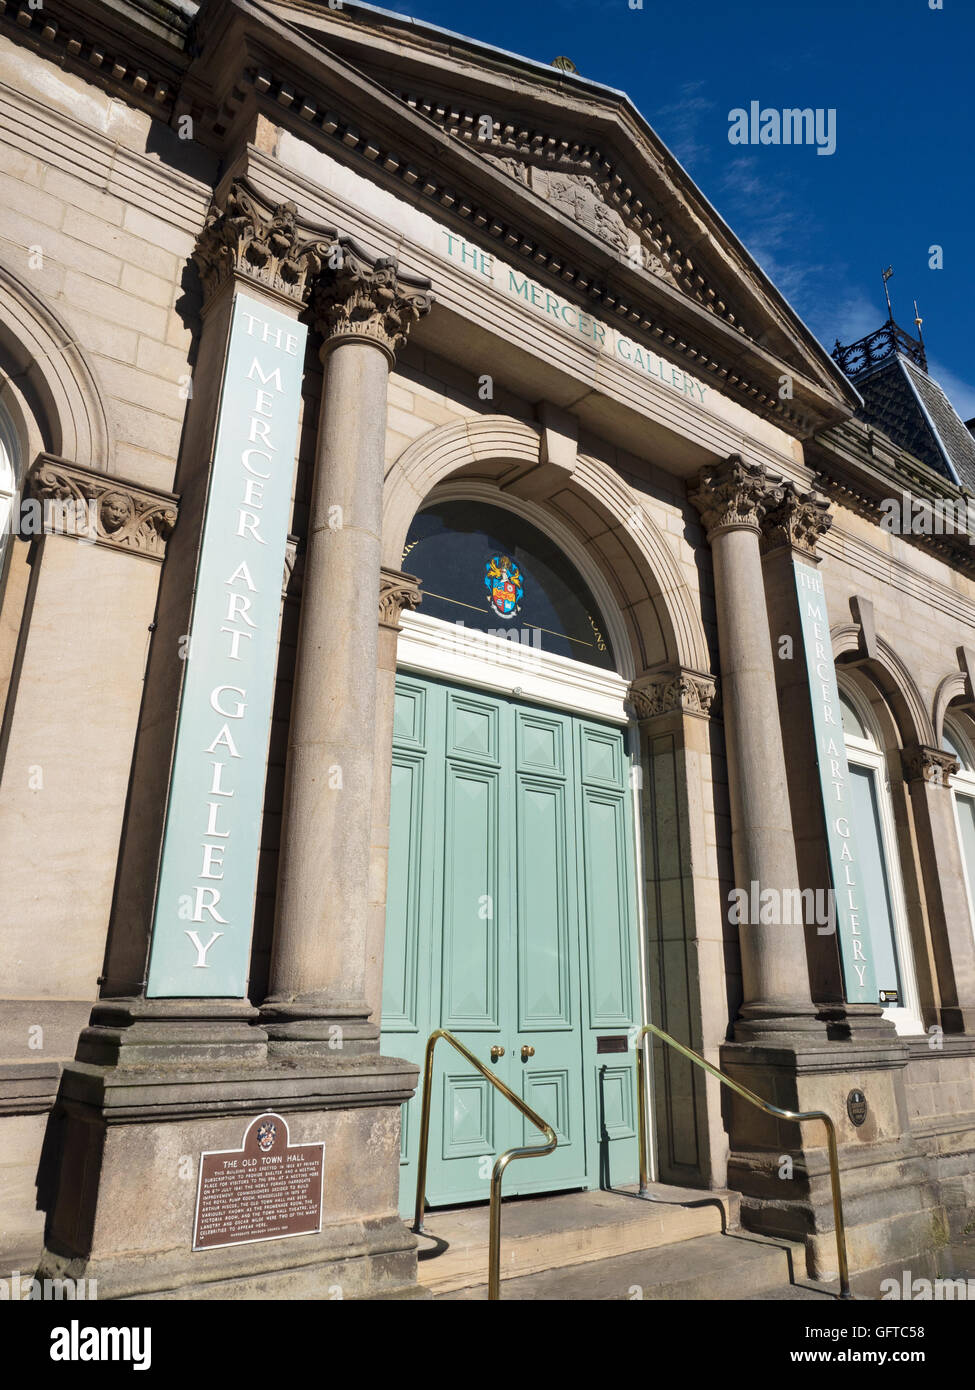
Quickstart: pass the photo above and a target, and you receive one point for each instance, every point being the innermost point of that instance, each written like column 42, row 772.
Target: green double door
column 511, row 923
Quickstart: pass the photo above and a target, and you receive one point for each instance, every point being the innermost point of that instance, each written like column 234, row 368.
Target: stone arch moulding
column 46, row 372
column 894, row 681
column 950, row 688
column 441, row 454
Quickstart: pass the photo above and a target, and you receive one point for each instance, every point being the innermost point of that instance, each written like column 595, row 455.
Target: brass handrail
column 834, row 1166
column 497, row 1173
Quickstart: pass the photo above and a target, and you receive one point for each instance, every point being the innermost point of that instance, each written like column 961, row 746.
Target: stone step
column 716, row 1267
column 555, row 1232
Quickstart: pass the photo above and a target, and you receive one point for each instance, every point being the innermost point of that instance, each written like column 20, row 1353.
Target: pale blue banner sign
column 856, row 954
column 208, row 871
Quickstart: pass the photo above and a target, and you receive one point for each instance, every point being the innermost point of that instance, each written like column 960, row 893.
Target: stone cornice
column 931, row 765
column 367, row 300
column 95, row 507
column 397, row 591
column 662, row 692
column 140, row 60
column 861, row 469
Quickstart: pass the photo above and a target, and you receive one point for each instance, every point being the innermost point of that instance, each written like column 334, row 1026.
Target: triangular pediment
column 567, row 175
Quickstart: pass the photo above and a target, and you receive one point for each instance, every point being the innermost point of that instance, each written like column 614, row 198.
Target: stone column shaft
column 318, row 965
column 328, row 789
column 732, row 499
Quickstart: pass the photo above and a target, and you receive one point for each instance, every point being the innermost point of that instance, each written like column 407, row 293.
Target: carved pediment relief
column 580, row 197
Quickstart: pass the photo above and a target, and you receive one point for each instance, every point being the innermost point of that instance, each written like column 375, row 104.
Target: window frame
column 869, row 753
column 962, row 783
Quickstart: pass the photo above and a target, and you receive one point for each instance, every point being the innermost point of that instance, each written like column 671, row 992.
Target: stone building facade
column 489, row 298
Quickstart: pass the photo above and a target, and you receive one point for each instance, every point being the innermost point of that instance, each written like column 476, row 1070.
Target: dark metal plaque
column 856, row 1107
column 265, row 1190
column 611, row 1045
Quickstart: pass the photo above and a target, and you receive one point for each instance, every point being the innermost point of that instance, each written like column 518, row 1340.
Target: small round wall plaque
column 856, row 1107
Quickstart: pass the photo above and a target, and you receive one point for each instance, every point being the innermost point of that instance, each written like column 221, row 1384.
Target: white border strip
column 460, row 654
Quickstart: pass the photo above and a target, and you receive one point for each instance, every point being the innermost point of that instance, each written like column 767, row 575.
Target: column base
column 137, row 1032
column 311, row 1025
column 893, row 1215
column 779, row 1020
column 130, row 1143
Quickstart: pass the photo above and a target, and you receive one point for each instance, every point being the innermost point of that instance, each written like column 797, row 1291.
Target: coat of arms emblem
column 504, row 585
column 266, row 1135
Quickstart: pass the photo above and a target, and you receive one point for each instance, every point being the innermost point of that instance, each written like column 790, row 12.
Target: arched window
column 489, row 569
column 872, row 816
column 954, row 741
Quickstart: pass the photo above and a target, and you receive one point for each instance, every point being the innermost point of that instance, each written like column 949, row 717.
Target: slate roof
column 903, row 400
column 953, row 438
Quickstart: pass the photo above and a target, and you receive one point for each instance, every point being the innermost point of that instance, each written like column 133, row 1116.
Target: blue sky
column 900, row 78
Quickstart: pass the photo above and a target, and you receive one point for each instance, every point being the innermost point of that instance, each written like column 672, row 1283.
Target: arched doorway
column 512, row 903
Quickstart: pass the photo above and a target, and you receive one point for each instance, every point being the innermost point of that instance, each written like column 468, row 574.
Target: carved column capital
column 62, row 498
column 367, row 300
column 799, row 520
column 932, row 765
column 261, row 242
column 661, row 692
column 734, row 494
column 396, row 592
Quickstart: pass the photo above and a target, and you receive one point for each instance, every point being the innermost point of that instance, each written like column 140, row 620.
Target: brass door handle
column 526, row 1052
column 496, row 1052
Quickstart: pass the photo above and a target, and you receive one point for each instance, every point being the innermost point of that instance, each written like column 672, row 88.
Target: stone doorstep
column 715, row 1268
column 543, row 1233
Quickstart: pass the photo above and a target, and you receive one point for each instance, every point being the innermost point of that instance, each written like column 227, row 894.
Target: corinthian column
column 733, row 497
column 364, row 311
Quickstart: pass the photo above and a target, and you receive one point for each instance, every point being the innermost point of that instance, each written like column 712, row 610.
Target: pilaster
column 397, row 593
column 684, row 798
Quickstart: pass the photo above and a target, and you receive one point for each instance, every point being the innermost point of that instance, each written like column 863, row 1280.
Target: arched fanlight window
column 872, row 815
column 489, row 569
column 956, row 742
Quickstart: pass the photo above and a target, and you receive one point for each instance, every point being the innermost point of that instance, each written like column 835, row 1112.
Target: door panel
column 400, row 974
column 605, row 860
column 508, row 844
column 470, row 924
column 544, row 963
column 608, row 924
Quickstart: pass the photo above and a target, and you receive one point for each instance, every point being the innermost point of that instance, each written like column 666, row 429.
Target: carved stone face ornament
column 114, row 510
